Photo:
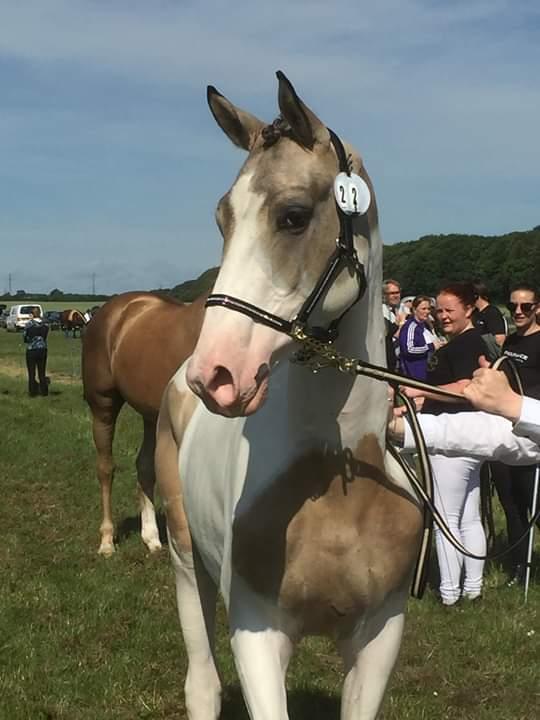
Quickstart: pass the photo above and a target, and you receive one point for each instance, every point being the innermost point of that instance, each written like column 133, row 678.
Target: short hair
column 389, row 281
column 481, row 290
column 527, row 288
column 420, row 299
column 464, row 291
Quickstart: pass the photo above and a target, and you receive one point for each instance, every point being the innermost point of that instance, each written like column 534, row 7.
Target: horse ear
column 305, row 125
column 240, row 126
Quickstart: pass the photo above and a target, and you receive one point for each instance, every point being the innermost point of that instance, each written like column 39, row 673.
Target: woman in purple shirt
column 416, row 342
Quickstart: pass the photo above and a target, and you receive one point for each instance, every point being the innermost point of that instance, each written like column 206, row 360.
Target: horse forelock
column 277, row 129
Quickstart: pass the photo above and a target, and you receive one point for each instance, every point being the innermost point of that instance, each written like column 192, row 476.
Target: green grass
column 82, row 637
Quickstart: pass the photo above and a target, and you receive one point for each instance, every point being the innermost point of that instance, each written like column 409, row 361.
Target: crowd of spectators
column 445, row 340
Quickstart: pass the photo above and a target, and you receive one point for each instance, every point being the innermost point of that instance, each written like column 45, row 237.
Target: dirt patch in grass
column 12, row 370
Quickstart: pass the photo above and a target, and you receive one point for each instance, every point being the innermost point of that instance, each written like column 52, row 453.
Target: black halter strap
column 344, row 255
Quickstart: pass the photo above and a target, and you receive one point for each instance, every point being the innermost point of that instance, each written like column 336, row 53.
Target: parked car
column 19, row 315
column 53, row 318
column 3, row 318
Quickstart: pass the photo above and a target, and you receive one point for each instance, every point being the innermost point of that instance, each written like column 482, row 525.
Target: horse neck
column 336, row 409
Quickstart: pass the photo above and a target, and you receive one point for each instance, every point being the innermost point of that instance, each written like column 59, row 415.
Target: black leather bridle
column 344, row 255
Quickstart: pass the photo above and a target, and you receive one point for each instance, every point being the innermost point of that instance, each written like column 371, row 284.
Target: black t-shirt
column 524, row 351
column 455, row 361
column 489, row 320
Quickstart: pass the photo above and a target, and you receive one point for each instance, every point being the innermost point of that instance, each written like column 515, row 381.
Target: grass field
column 82, row 637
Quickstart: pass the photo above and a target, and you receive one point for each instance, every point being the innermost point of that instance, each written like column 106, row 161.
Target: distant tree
column 20, row 293
column 192, row 289
column 56, row 294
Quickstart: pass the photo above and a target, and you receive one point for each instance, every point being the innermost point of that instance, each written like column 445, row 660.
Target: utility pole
column 93, row 283
column 9, row 283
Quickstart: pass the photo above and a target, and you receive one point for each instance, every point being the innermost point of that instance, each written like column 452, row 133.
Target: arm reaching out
column 489, row 390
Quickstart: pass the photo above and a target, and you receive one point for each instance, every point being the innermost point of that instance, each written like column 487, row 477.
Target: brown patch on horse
column 176, row 410
column 331, row 537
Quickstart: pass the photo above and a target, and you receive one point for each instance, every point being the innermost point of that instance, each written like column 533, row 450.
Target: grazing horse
column 73, row 322
column 130, row 350
column 275, row 481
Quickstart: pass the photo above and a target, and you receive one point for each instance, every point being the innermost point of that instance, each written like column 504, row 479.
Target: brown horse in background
column 130, row 350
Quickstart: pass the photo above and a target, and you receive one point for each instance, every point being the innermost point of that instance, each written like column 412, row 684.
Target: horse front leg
column 196, row 597
column 262, row 643
column 146, row 478
column 196, row 594
column 369, row 656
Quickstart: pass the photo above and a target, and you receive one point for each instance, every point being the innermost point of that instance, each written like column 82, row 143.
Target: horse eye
column 294, row 219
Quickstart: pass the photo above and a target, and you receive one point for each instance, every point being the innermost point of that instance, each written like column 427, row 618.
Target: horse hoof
column 106, row 549
column 154, row 546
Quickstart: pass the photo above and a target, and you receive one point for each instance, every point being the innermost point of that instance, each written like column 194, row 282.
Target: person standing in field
column 489, row 320
column 394, row 314
column 457, row 479
column 35, row 337
column 515, row 485
column 416, row 342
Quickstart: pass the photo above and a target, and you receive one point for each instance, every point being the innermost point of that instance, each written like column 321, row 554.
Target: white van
column 19, row 315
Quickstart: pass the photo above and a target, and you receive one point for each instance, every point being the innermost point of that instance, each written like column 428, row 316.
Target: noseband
column 344, row 255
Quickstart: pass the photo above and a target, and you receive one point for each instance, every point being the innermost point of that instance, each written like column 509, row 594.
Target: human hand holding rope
column 490, row 390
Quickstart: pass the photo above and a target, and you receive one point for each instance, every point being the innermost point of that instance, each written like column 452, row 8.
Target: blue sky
column 110, row 162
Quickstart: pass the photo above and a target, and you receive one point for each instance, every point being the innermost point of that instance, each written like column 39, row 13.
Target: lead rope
column 318, row 355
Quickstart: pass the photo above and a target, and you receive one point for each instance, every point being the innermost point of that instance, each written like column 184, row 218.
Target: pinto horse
column 276, row 483
column 72, row 321
column 130, row 350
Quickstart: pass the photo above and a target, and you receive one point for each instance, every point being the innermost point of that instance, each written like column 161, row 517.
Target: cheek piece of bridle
column 317, row 352
column 344, row 255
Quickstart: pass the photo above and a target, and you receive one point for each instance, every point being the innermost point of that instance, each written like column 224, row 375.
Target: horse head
column 280, row 222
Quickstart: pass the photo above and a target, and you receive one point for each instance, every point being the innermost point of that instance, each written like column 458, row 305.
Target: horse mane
column 277, row 129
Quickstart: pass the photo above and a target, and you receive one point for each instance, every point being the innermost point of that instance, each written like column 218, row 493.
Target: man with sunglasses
column 395, row 314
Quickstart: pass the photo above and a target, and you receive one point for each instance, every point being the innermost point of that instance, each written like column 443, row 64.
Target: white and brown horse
column 277, row 487
column 72, row 321
column 130, row 350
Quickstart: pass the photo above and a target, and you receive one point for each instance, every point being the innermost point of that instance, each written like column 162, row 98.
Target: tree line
column 501, row 261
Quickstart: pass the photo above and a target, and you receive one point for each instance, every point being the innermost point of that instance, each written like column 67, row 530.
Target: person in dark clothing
column 394, row 316
column 35, row 337
column 515, row 485
column 487, row 317
column 456, row 479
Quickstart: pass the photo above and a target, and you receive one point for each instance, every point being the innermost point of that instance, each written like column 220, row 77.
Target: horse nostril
column 262, row 373
column 221, row 377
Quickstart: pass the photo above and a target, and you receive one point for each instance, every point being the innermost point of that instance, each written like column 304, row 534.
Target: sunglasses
column 525, row 307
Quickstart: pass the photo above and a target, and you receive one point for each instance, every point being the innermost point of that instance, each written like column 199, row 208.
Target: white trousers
column 457, row 497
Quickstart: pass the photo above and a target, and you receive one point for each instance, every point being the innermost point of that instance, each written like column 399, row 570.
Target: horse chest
column 325, row 544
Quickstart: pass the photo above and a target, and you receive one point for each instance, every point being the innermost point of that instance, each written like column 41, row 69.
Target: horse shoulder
column 177, row 407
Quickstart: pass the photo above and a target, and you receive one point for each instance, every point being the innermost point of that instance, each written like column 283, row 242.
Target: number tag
column 352, row 194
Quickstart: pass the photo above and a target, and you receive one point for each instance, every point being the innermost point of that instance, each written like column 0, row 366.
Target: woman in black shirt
column 515, row 485
column 457, row 479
